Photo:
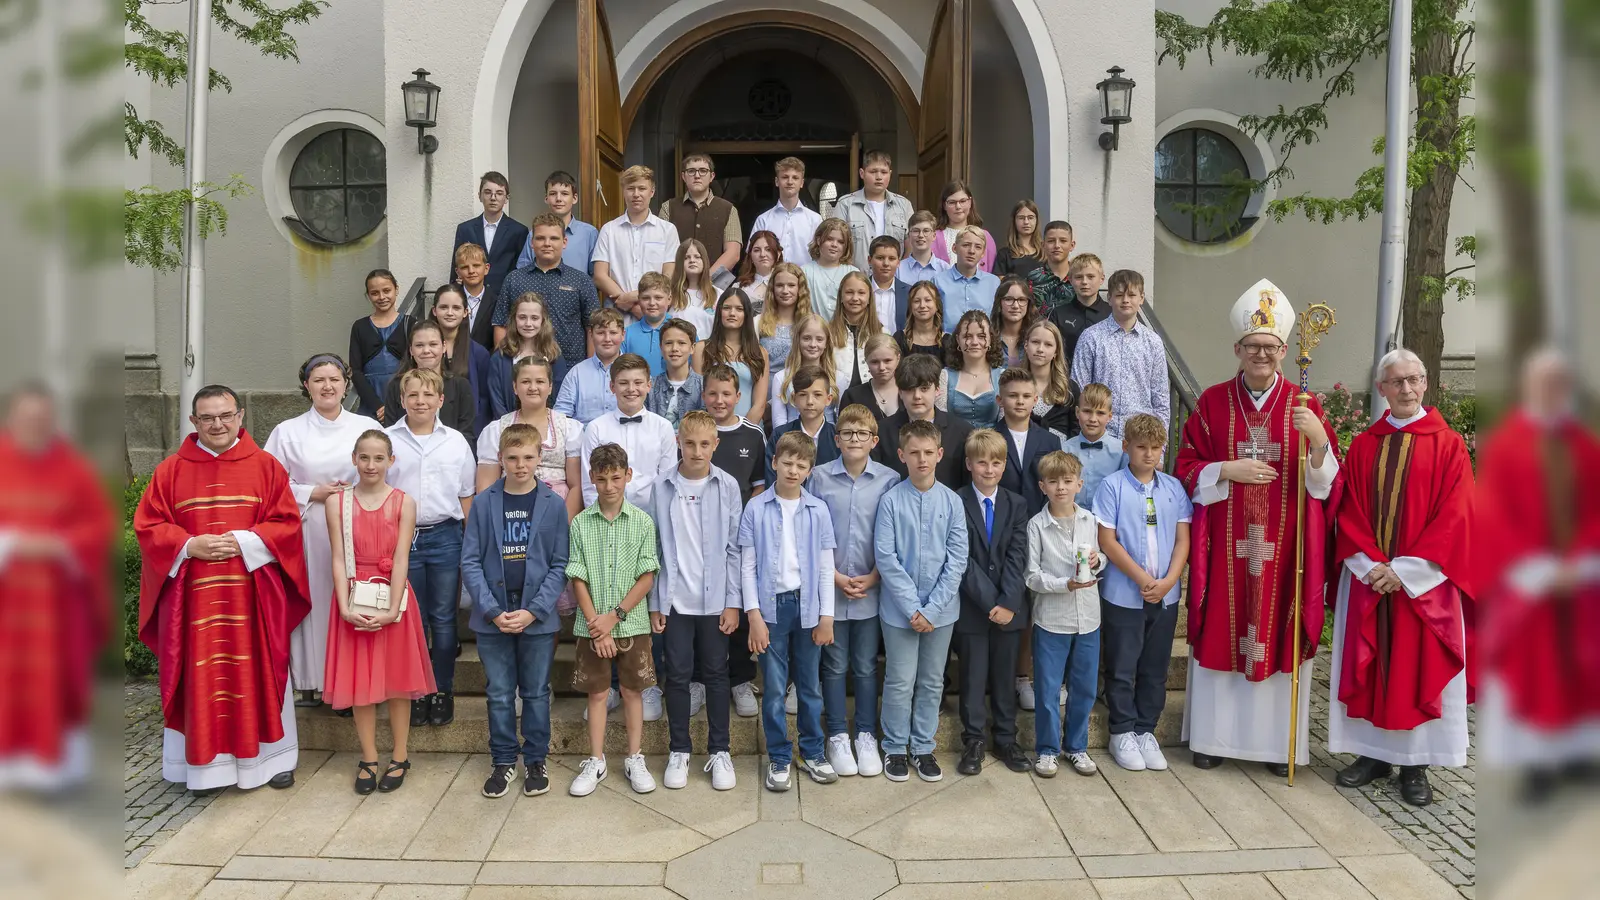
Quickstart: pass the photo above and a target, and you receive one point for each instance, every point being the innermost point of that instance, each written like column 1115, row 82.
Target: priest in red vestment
column 1537, row 516
column 56, row 527
column 1402, row 626
column 224, row 583
column 1239, row 460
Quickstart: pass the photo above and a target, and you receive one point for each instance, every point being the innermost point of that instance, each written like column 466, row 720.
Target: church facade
column 1000, row 91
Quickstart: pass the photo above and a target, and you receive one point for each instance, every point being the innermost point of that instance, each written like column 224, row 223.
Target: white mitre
column 1263, row 309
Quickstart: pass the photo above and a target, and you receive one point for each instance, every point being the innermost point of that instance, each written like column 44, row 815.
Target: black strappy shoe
column 366, row 777
column 391, row 781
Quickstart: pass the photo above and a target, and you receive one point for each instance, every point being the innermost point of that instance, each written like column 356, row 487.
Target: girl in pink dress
column 375, row 657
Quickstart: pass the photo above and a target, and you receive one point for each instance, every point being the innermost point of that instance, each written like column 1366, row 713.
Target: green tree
column 1323, row 42
column 152, row 217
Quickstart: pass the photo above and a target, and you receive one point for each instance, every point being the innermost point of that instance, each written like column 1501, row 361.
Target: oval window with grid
column 337, row 185
column 1197, row 171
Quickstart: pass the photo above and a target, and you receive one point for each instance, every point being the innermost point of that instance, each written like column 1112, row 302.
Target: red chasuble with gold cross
column 1408, row 493
column 1242, row 553
column 220, row 631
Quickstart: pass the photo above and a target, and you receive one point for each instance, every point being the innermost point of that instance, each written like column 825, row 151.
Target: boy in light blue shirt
column 786, row 546
column 644, row 336
column 1100, row 453
column 1143, row 514
column 921, row 547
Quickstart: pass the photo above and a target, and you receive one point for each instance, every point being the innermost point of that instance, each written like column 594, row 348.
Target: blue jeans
column 913, row 685
column 518, row 664
column 854, row 651
column 791, row 656
column 435, row 573
column 1077, row 657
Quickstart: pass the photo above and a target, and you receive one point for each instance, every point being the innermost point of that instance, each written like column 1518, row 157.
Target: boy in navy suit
column 1027, row 441
column 989, row 631
column 514, row 564
column 500, row 235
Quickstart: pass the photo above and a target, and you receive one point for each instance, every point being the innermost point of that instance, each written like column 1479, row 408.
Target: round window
column 1197, row 177
column 337, row 187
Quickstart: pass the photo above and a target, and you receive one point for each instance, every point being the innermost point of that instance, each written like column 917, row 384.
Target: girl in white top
column 831, row 249
column 691, row 288
column 763, row 255
column 558, row 451
column 315, row 447
column 855, row 319
column 813, row 346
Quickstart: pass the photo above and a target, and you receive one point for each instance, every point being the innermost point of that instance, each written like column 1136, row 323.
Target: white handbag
column 371, row 595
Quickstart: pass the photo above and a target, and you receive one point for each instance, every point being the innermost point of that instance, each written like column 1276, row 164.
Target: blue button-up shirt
column 961, row 293
column 720, row 507
column 921, row 547
column 569, row 299
column 852, row 502
column 645, row 339
column 579, row 254
column 586, row 391
column 761, row 540
column 1120, row 505
column 1098, row 463
column 910, row 271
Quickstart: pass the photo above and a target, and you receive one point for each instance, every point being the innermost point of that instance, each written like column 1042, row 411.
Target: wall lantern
column 1116, row 97
column 422, row 109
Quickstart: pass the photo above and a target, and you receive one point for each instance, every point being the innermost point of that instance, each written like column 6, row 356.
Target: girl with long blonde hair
column 855, row 319
column 788, row 300
column 813, row 346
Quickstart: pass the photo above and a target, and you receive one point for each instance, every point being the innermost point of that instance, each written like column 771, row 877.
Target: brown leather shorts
column 636, row 669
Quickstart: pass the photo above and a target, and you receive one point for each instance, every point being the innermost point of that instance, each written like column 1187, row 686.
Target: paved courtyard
column 1234, row 833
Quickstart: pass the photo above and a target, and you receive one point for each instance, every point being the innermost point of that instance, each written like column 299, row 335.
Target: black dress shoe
column 1206, row 760
column 281, row 781
column 394, row 776
column 1363, row 771
column 1014, row 758
column 419, row 711
column 971, row 758
column 441, row 709
column 348, row 712
column 1281, row 770
column 306, row 699
column 207, row 792
column 1414, row 786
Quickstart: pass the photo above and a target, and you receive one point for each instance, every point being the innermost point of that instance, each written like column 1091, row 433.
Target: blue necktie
column 1095, row 445
column 988, row 520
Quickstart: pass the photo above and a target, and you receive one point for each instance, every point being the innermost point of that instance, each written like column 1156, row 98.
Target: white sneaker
column 744, row 700
column 697, row 698
column 653, row 707
column 790, row 704
column 1045, row 765
column 1151, row 751
column 639, row 777
column 1082, row 764
column 721, row 768
column 839, row 755
column 1025, row 694
column 1125, row 751
column 1063, row 701
column 820, row 770
column 613, row 700
column 589, row 777
column 868, row 763
column 779, row 776
column 677, row 774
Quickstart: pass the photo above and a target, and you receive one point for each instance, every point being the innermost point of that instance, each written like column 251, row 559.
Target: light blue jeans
column 791, row 656
column 913, row 685
column 1075, row 657
column 854, row 652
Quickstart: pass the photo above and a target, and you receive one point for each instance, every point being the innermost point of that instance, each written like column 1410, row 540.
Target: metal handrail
column 1181, row 382
column 412, row 303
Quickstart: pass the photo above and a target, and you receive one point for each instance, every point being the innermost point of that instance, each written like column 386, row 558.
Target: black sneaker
column 896, row 767
column 927, row 767
column 499, row 783
column 537, row 781
column 419, row 711
column 442, row 709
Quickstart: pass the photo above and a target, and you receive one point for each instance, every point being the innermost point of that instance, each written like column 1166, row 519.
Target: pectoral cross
column 1256, row 548
column 1260, row 447
column 1251, row 649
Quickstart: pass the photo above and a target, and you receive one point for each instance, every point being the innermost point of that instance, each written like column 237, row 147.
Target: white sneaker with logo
column 652, row 703
column 1025, row 693
column 697, row 698
column 1150, row 749
column 677, row 775
column 839, row 755
column 1082, row 764
column 1125, row 751
column 590, row 774
column 1045, row 765
column 639, row 777
column 744, row 700
column 721, row 768
column 868, row 763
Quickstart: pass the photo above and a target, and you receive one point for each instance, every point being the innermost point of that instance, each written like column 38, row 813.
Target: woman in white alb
column 316, row 447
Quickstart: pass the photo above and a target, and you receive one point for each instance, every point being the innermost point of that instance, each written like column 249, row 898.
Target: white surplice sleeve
column 1210, row 487
column 1417, row 575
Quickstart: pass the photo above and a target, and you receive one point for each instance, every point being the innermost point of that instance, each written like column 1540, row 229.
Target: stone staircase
column 320, row 729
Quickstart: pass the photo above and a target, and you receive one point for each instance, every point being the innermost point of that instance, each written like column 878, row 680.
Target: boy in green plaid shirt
column 612, row 568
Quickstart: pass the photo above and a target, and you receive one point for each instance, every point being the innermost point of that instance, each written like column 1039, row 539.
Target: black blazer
column 459, row 411
column 483, row 326
column 902, row 305
column 510, row 236
column 994, row 575
column 952, row 469
column 364, row 345
column 1021, row 476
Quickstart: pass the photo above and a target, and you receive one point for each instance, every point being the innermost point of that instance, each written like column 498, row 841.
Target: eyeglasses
column 208, row 421
column 856, row 436
column 697, row 173
column 492, row 194
column 1260, row 349
column 1415, row 382
column 1013, row 299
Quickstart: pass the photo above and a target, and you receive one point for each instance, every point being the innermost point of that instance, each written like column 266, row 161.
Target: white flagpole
column 194, row 173
column 1396, row 135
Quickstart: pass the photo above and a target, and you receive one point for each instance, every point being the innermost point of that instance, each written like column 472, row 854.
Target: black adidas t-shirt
column 742, row 452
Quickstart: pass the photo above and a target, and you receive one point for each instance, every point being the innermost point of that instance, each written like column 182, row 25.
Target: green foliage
column 153, row 218
column 137, row 660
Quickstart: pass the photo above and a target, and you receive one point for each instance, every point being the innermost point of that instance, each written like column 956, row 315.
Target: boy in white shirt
column 636, row 242
column 648, row 438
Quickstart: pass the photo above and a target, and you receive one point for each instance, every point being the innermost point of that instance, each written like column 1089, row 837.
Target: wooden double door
column 944, row 150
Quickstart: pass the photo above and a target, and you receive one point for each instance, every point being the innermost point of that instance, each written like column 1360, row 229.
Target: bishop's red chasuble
column 1539, row 496
column 54, row 611
column 220, row 631
column 1407, row 493
column 1242, row 552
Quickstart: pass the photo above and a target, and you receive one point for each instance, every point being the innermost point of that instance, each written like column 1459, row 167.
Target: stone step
column 470, row 677
column 320, row 729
